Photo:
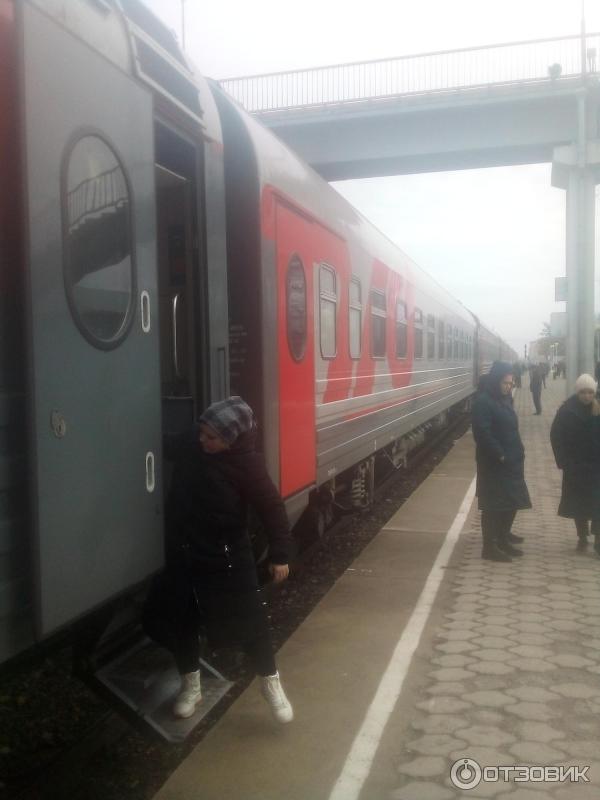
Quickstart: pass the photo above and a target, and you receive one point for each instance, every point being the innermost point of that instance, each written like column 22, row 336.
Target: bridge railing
column 469, row 68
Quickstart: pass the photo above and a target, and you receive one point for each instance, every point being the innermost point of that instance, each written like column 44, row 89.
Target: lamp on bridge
column 554, row 71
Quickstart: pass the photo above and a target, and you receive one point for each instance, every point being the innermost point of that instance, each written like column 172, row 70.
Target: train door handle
column 150, row 474
column 178, row 374
column 145, row 309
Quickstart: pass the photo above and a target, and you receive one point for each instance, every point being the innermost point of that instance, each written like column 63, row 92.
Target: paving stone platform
column 514, row 673
column 507, row 671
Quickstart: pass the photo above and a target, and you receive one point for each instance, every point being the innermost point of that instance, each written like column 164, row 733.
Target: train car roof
column 283, row 170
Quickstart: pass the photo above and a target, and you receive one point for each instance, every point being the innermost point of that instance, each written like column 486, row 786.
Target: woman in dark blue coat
column 501, row 487
column 575, row 438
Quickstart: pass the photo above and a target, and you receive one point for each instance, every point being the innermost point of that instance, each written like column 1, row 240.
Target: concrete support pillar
column 575, row 169
column 580, row 245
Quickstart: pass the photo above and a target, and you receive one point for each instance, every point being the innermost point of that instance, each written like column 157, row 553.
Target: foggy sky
column 494, row 238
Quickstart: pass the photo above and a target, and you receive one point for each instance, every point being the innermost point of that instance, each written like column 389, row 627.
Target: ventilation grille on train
column 138, row 13
column 167, row 77
column 159, row 60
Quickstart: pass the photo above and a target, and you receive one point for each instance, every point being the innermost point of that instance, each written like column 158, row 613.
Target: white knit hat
column 585, row 381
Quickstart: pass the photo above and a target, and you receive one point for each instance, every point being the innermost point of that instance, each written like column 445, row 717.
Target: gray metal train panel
column 92, row 85
column 93, row 339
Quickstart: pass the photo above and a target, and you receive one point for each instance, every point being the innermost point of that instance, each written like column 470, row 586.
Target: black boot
column 506, row 547
column 583, row 528
column 491, row 552
column 514, row 539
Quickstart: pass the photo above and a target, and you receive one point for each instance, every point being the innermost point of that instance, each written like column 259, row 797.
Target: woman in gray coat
column 575, row 439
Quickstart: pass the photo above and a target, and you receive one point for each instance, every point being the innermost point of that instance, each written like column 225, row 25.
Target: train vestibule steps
column 146, row 680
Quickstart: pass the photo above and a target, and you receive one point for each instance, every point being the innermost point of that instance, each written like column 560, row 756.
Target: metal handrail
column 442, row 70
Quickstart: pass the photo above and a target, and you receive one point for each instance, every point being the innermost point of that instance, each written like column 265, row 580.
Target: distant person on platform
column 535, row 387
column 575, row 438
column 500, row 455
column 562, row 370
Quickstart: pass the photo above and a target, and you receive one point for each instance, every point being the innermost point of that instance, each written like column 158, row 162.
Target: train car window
column 418, row 333
column 430, row 336
column 441, row 339
column 462, row 346
column 296, row 308
column 355, row 317
column 401, row 330
column 455, row 351
column 142, row 16
column 98, row 249
column 449, row 343
column 328, row 311
column 378, row 320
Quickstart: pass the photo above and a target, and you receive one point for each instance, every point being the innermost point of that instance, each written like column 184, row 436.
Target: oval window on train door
column 98, row 252
column 296, row 308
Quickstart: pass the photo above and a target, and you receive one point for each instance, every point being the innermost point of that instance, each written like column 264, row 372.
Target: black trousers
column 537, row 400
column 174, row 621
column 496, row 525
column 582, row 525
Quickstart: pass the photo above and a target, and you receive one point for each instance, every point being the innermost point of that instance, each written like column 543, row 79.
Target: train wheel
column 317, row 521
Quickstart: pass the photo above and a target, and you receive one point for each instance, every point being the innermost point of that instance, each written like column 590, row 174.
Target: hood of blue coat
column 492, row 382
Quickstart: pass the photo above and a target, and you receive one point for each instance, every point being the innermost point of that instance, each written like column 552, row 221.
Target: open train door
column 92, row 285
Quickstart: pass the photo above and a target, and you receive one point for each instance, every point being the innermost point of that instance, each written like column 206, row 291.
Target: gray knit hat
column 230, row 418
column 585, row 381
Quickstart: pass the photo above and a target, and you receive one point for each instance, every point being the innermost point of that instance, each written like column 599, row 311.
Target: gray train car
column 112, row 242
column 490, row 348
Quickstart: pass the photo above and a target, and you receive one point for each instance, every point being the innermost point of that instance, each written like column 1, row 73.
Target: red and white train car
column 339, row 340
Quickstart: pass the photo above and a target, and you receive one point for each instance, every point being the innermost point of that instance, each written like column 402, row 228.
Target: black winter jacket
column 575, row 439
column 207, row 510
column 500, row 455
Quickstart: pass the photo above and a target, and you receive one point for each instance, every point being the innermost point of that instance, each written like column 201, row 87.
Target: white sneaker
column 189, row 696
column 273, row 693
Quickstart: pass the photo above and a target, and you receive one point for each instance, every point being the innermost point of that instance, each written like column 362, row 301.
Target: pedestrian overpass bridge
column 477, row 107
column 514, row 103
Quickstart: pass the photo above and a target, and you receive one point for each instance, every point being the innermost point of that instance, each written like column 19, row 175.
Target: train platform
column 427, row 673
